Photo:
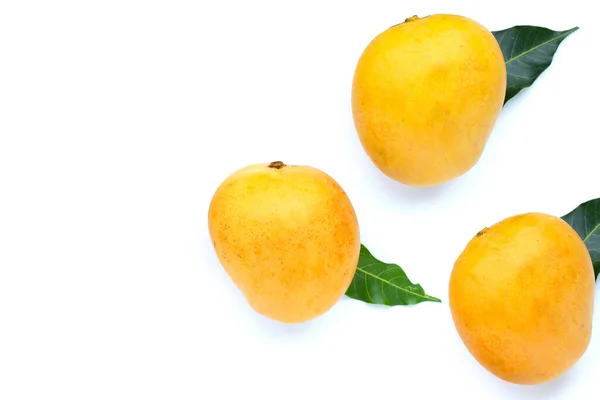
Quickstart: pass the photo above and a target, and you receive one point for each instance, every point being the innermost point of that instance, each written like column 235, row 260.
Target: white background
column 118, row 120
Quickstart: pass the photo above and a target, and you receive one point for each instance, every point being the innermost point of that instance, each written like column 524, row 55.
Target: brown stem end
column 482, row 232
column 277, row 165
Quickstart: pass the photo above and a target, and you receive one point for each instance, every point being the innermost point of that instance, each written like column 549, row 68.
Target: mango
column 521, row 296
column 287, row 236
column 426, row 95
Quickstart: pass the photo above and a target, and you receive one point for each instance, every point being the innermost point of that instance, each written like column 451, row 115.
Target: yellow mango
column 522, row 295
column 426, row 95
column 287, row 236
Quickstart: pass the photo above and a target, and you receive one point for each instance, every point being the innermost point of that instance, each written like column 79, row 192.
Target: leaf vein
column 553, row 39
column 396, row 286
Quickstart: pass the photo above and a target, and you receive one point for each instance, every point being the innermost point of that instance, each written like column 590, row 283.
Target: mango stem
column 277, row 165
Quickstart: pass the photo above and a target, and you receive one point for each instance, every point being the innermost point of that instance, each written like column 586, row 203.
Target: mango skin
column 426, row 95
column 288, row 237
column 522, row 296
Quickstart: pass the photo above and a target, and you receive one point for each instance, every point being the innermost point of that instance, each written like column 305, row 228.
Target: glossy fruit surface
column 426, row 95
column 287, row 236
column 522, row 295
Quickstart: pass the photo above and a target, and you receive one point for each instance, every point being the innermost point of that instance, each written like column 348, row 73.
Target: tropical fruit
column 521, row 296
column 287, row 236
column 426, row 95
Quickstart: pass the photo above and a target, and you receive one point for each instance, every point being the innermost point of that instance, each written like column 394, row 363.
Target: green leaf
column 377, row 282
column 528, row 51
column 585, row 219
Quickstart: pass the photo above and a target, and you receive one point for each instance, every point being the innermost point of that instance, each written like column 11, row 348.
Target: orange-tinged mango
column 522, row 296
column 287, row 236
column 426, row 95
